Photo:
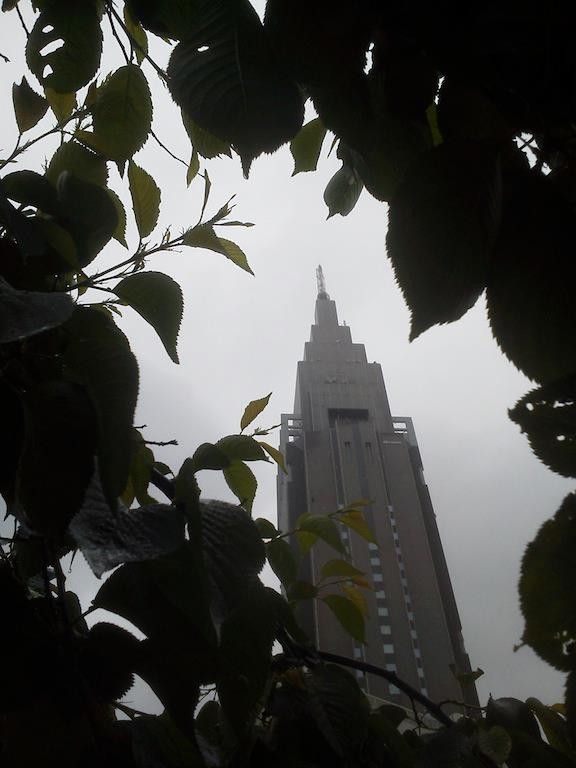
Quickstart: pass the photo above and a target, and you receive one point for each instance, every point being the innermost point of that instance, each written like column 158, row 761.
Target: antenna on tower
column 322, row 294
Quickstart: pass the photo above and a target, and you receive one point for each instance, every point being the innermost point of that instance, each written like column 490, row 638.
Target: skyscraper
column 342, row 444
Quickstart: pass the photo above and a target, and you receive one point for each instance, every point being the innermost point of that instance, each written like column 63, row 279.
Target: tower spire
column 322, row 294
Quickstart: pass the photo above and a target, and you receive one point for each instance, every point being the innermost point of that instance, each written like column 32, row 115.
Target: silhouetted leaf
column 29, row 106
column 553, row 725
column 323, row 527
column 301, row 590
column 548, row 416
column 355, row 520
column 252, row 410
column 99, row 356
column 242, row 482
column 145, row 198
column 241, row 447
column 158, row 299
column 26, row 313
column 31, row 189
column 122, row 114
column 61, row 104
column 72, row 65
column 203, row 236
column 348, row 615
column 443, row 222
column 79, row 161
column 137, row 34
column 225, row 76
column 332, row 568
column 265, row 528
column 547, row 599
column 495, row 743
column 158, row 743
column 208, row 456
column 204, row 143
column 166, row 18
column 282, row 560
column 306, row 146
column 193, row 168
column 513, row 715
column 343, row 191
column 120, row 231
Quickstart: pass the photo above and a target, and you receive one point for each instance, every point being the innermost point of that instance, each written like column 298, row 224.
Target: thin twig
column 159, row 71
column 165, row 148
column 24, row 27
column 117, row 37
column 160, row 442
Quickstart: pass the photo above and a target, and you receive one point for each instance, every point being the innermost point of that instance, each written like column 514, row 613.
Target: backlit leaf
column 62, row 104
column 203, row 236
column 324, row 528
column 203, row 142
column 306, row 146
column 145, row 198
column 282, row 560
column 553, row 725
column 29, row 106
column 336, row 568
column 241, row 447
column 355, row 520
column 354, row 594
column 275, row 454
column 266, row 529
column 120, row 231
column 193, row 168
column 137, row 34
column 208, row 456
column 158, row 299
column 81, row 162
column 252, row 410
column 348, row 614
column 242, row 482
column 343, row 191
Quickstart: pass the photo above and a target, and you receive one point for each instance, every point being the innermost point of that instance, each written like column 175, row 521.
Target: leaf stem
column 159, row 71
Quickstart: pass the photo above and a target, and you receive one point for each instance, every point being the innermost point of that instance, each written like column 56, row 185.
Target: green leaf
column 355, row 520
column 99, row 356
column 203, row 142
column 547, row 597
column 137, row 34
column 29, row 106
column 443, row 223
column 109, row 538
column 513, row 715
column 282, row 560
column 72, row 65
column 301, row 590
column 120, row 231
column 226, row 78
column 158, row 299
column 193, row 168
column 548, row 416
column 252, row 410
column 187, row 491
column 343, row 191
column 306, row 541
column 339, row 709
column 91, row 215
column 121, row 115
column 384, row 724
column 29, row 188
column 157, row 741
column 354, row 594
column 165, row 18
column 145, row 198
column 61, row 104
column 241, row 447
column 203, row 236
column 265, row 528
column 553, row 725
column 79, row 161
column 336, row 568
column 324, row 528
column 495, row 743
column 208, row 456
column 277, row 455
column 242, row 482
column 348, row 615
column 140, row 469
column 307, row 145
column 26, row 313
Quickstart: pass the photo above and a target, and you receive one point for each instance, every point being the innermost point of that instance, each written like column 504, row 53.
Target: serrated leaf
column 31, row 189
column 81, row 162
column 307, row 145
column 336, row 568
column 145, row 198
column 277, row 455
column 282, row 560
column 225, row 76
column 26, row 313
column 354, row 594
column 193, row 168
column 252, row 410
column 62, row 104
column 342, row 192
column 265, row 528
column 355, row 520
column 120, row 231
column 121, row 115
column 324, row 528
column 348, row 615
column 158, row 299
column 204, row 143
column 109, row 538
column 203, row 236
column 495, row 743
column 138, row 34
column 242, row 482
column 208, row 456
column 98, row 355
column 546, row 588
column 443, row 223
column 241, row 447
column 29, row 106
column 73, row 64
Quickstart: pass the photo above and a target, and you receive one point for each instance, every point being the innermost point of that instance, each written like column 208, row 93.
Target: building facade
column 342, row 444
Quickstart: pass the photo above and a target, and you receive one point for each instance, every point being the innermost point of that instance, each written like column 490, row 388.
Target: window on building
column 385, row 629
column 380, row 594
column 382, row 611
column 388, row 648
column 377, row 577
column 346, row 444
column 391, row 667
column 374, row 561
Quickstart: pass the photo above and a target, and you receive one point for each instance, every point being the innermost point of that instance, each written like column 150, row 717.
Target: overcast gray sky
column 242, row 337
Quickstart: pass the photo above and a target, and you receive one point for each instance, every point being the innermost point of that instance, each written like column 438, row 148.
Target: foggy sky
column 242, row 337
